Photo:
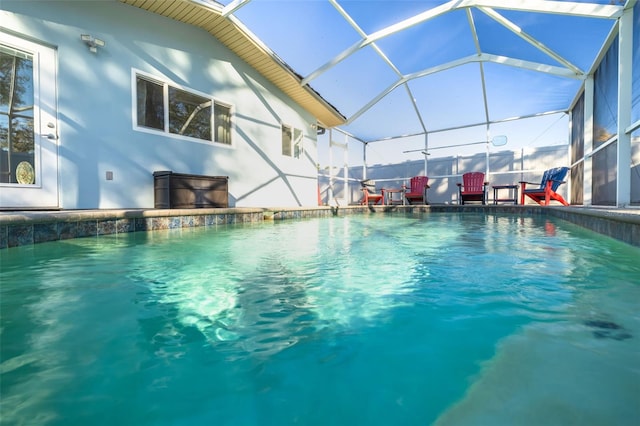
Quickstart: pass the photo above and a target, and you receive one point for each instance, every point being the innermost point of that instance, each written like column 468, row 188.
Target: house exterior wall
column 96, row 108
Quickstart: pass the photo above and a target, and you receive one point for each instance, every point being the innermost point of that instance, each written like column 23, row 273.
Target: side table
column 389, row 196
column 513, row 191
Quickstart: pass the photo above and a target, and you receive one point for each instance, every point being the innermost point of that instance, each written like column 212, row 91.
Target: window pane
column 22, row 134
column 604, row 177
column 189, row 114
column 605, row 100
column 577, row 184
column 297, row 144
column 150, row 100
column 222, row 120
column 635, row 167
column 17, row 146
column 286, row 141
column 16, row 83
column 4, row 148
column 577, row 130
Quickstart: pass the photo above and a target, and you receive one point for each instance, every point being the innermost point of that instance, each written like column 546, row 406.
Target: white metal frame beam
column 528, row 38
column 623, row 154
column 466, row 126
column 233, row 6
column 476, row 42
column 378, row 35
column 384, row 57
column 484, row 57
column 587, row 10
column 567, row 70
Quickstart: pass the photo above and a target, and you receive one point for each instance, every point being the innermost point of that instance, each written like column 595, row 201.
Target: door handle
column 52, row 136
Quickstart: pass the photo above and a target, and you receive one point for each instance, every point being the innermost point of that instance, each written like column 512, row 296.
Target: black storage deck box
column 184, row 191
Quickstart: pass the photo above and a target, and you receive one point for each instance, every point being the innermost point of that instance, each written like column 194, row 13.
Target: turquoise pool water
column 357, row 320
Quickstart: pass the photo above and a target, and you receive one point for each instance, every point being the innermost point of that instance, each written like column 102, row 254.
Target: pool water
column 358, row 320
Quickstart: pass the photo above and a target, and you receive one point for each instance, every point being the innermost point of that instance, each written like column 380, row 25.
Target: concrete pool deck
column 20, row 228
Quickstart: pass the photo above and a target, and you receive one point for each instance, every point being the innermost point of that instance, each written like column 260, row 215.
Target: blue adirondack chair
column 546, row 191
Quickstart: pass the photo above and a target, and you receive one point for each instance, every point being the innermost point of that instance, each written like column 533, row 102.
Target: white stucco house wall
column 107, row 114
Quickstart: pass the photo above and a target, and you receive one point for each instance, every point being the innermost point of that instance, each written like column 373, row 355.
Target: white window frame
column 165, row 82
column 297, row 141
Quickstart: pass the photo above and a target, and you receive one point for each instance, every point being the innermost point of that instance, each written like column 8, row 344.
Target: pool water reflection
column 447, row 319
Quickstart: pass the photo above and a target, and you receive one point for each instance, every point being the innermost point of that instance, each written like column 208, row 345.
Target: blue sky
column 307, row 34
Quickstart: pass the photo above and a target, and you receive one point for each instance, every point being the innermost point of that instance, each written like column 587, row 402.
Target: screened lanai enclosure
column 425, row 86
column 319, row 95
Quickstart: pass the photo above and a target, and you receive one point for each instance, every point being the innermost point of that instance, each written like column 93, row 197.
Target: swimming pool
column 444, row 319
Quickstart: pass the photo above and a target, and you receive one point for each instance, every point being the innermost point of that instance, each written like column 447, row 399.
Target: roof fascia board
column 528, row 38
column 587, row 10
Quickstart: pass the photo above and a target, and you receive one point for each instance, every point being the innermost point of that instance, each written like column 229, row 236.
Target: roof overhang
column 218, row 22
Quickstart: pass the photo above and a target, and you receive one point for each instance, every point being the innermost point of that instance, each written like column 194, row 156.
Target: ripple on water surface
column 454, row 319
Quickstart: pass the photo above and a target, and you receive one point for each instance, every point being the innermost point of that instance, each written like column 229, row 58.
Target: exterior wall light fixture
column 92, row 42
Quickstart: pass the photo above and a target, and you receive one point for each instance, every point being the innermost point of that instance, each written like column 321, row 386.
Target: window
column 292, row 142
column 222, row 120
column 150, row 101
column 189, row 114
column 169, row 109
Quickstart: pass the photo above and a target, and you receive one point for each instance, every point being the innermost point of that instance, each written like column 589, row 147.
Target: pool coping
column 20, row 228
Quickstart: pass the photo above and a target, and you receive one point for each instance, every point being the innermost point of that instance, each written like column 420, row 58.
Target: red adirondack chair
column 473, row 188
column 546, row 191
column 369, row 194
column 417, row 193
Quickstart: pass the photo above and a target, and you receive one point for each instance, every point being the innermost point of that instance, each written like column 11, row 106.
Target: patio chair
column 546, row 191
column 417, row 193
column 369, row 195
column 473, row 188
